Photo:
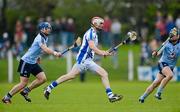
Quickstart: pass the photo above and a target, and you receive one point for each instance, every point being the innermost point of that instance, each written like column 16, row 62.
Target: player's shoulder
column 179, row 42
column 38, row 37
column 41, row 37
column 169, row 43
column 91, row 30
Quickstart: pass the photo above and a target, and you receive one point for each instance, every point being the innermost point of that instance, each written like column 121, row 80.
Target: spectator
column 64, row 34
column 56, row 31
column 178, row 22
column 169, row 23
column 19, row 39
column 29, row 30
column 158, row 16
column 115, row 30
column 144, row 29
column 70, row 30
column 160, row 26
column 106, row 31
column 4, row 44
column 145, row 53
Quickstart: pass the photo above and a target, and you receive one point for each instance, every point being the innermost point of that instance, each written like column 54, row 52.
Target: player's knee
column 72, row 76
column 170, row 76
column 105, row 74
column 43, row 79
column 23, row 84
column 155, row 84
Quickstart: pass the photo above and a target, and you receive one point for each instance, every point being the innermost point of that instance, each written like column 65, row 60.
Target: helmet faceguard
column 45, row 26
column 174, row 33
column 97, row 22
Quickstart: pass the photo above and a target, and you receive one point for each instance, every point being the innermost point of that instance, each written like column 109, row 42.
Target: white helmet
column 97, row 22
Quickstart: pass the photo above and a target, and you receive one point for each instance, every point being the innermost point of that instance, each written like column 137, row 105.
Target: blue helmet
column 44, row 25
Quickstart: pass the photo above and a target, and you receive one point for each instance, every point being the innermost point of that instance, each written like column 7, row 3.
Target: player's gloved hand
column 106, row 53
column 114, row 52
column 39, row 60
column 154, row 53
column 57, row 54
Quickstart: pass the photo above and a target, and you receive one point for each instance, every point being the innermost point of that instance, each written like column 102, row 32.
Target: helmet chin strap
column 44, row 33
column 97, row 29
column 175, row 41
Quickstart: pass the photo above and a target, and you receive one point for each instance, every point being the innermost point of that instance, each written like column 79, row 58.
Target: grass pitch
column 90, row 96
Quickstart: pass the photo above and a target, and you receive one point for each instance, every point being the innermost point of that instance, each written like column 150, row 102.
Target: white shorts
column 87, row 64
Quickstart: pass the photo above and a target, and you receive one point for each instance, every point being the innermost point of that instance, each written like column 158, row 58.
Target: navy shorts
column 161, row 65
column 25, row 69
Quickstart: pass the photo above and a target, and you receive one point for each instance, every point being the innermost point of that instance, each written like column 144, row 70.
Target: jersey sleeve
column 90, row 35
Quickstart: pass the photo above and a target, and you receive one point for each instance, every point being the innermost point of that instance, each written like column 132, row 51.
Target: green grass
column 90, row 97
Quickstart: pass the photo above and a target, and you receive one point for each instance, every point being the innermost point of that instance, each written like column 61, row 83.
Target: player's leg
column 71, row 75
column 40, row 79
column 151, row 87
column 105, row 80
column 15, row 89
column 168, row 76
column 23, row 69
column 82, row 76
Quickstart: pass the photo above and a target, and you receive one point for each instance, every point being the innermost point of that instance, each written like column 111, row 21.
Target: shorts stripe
column 161, row 65
column 22, row 68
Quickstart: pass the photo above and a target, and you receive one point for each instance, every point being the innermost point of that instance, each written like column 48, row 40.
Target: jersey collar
column 43, row 35
column 175, row 43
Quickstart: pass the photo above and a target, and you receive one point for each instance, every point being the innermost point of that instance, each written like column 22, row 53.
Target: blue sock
column 109, row 92
column 159, row 90
column 53, row 85
column 144, row 96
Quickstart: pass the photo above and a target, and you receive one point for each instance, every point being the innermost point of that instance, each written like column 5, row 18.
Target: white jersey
column 85, row 51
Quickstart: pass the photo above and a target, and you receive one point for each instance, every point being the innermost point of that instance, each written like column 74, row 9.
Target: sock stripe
column 109, row 93
column 9, row 95
column 53, row 85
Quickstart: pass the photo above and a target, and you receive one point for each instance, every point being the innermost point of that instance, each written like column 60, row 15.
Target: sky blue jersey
column 85, row 51
column 35, row 50
column 170, row 54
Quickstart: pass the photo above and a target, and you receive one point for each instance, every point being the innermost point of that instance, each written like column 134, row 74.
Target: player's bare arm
column 50, row 51
column 96, row 50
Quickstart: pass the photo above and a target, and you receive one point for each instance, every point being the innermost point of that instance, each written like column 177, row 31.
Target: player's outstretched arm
column 96, row 50
column 50, row 51
column 155, row 53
